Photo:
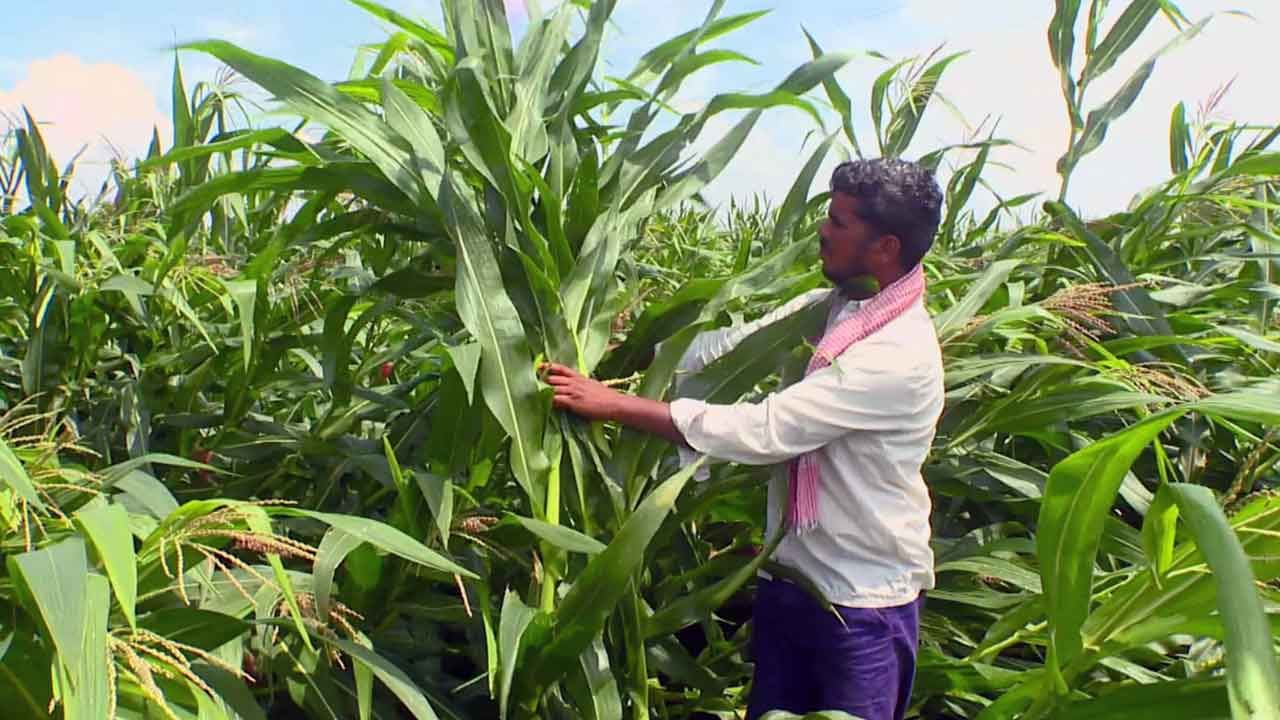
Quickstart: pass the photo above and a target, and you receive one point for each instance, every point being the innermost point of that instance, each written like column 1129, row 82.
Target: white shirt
column 871, row 417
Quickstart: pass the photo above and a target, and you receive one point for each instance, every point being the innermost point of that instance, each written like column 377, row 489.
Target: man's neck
column 868, row 286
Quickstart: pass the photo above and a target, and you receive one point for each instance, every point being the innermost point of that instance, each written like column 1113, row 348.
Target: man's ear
column 891, row 246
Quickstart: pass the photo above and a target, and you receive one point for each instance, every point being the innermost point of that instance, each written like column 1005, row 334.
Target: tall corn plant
column 502, row 158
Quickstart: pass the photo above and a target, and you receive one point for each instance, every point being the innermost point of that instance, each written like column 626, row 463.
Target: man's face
column 850, row 246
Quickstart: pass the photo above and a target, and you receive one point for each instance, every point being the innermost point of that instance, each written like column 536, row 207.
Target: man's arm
column 882, row 394
column 879, row 394
column 594, row 400
column 709, row 346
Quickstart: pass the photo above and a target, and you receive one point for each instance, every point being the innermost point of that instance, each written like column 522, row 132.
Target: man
column 852, row 436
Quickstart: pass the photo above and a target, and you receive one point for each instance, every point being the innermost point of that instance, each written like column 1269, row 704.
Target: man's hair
column 899, row 197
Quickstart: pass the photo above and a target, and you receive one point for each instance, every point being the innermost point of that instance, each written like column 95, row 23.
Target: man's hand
column 581, row 395
column 594, row 400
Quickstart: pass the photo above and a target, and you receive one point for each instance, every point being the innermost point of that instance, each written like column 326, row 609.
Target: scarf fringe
column 893, row 301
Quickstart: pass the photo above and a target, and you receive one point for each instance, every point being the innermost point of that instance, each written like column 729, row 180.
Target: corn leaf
column 565, row 538
column 56, row 580
column 381, row 536
column 334, row 548
column 106, row 526
column 1253, row 679
column 583, row 612
column 1077, row 498
column 258, row 521
column 515, row 619
column 85, row 690
column 797, row 200
column 1201, row 699
column 957, row 316
column 1122, row 35
column 318, row 101
column 508, row 382
column 1159, row 526
column 1099, row 120
column 15, row 476
column 391, row 676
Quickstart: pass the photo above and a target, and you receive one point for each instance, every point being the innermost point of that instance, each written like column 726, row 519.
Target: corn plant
column 349, row 319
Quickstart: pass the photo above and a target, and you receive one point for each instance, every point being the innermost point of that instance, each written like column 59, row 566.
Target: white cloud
column 93, row 106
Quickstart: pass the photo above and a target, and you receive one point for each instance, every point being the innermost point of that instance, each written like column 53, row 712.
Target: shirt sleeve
column 709, row 346
column 822, row 407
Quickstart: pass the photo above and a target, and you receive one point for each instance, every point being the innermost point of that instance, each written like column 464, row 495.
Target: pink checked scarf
column 870, row 317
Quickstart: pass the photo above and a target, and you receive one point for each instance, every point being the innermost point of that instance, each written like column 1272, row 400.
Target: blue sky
column 100, row 77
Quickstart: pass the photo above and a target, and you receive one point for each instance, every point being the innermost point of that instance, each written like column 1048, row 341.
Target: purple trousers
column 806, row 661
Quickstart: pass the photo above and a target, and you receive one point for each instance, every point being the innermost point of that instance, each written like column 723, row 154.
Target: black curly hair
column 899, row 197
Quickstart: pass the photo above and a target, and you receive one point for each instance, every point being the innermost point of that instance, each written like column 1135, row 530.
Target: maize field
column 273, row 443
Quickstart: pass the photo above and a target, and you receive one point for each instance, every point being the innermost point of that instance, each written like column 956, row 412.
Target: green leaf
column 335, row 348
column 439, row 494
column 237, row 140
column 56, row 579
column 205, row 629
column 334, row 548
column 1062, row 42
column 515, row 619
column 756, row 357
column 466, row 358
column 879, row 92
column 1142, row 314
column 839, row 99
column 382, row 536
column 1257, row 165
column 413, row 123
column 797, row 200
column 107, row 528
column 315, row 99
column 245, row 294
column 652, row 62
column 147, row 493
column 1203, row 699
column 24, row 674
column 565, row 538
column 694, row 62
column 697, row 606
column 15, row 476
column 1126, row 31
column 1077, row 499
column 1179, row 140
column 429, row 35
column 1259, row 404
column 364, row 688
column 957, row 316
column 259, row 522
column 1253, row 679
column 393, row 677
column 508, row 383
column 1159, row 527
column 907, row 116
column 184, row 134
column 1062, row 33
column 85, row 697
column 1099, row 120
column 1257, row 342
column 593, row 685
column 717, row 158
column 596, row 591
